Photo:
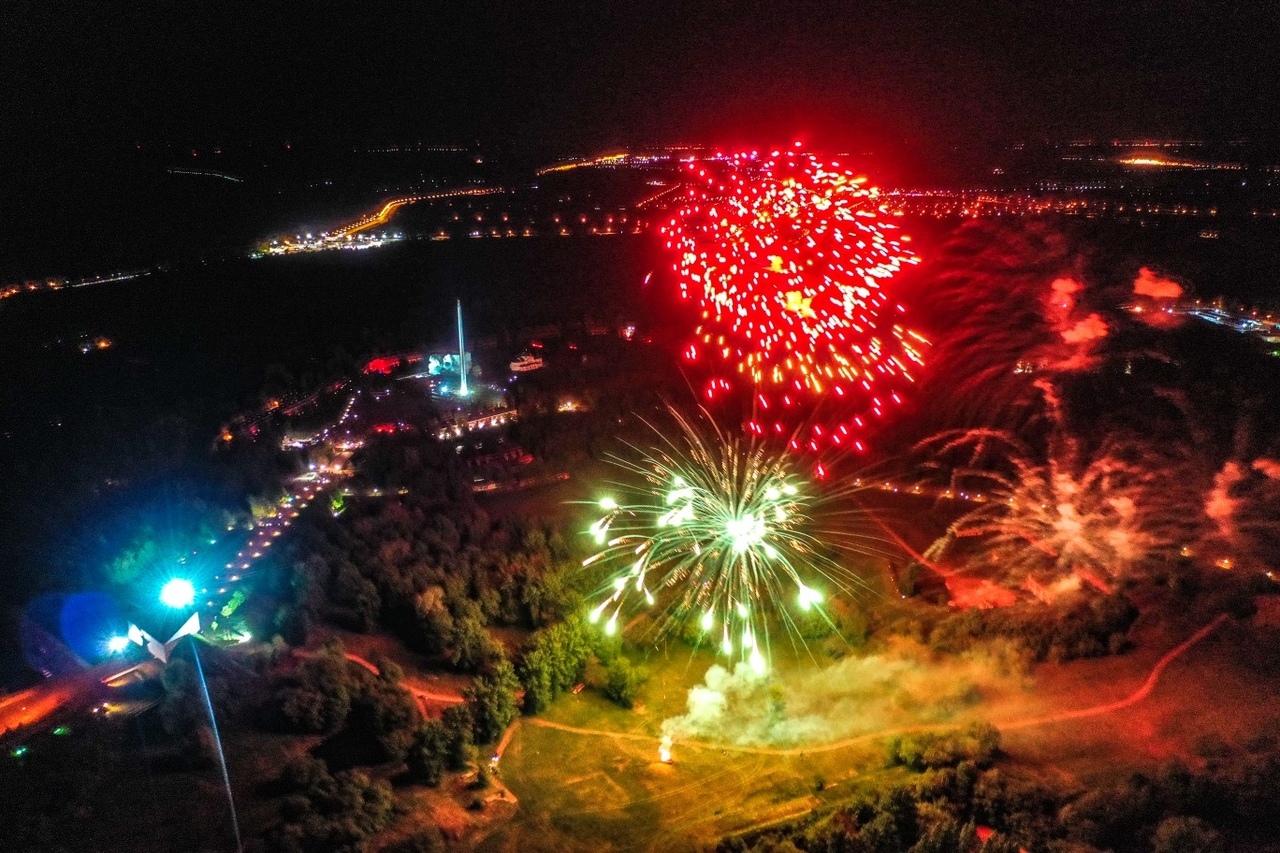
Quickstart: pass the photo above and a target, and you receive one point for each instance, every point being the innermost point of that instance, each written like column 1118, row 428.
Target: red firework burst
column 789, row 258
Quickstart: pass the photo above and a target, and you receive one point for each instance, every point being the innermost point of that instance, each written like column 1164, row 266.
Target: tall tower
column 463, row 391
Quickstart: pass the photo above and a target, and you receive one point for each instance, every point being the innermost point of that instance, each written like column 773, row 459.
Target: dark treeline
column 953, row 798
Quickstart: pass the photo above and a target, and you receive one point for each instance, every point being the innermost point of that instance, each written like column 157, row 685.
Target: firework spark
column 789, row 258
column 1004, row 303
column 1074, row 516
column 1243, row 524
column 718, row 535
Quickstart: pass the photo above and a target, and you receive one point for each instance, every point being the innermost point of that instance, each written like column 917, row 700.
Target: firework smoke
column 1151, row 284
column 1241, row 508
column 1003, row 305
column 1097, row 516
column 902, row 685
column 1155, row 296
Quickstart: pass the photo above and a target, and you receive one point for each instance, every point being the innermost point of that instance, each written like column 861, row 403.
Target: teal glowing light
column 178, row 593
column 116, row 645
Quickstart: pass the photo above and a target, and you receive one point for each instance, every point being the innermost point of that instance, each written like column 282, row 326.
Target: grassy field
column 593, row 791
column 606, row 789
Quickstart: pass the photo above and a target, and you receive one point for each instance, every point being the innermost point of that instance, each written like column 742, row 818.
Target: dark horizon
column 569, row 76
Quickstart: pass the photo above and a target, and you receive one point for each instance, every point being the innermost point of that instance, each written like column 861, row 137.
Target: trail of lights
column 390, row 207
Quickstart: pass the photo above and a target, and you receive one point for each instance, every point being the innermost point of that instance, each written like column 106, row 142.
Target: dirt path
column 1137, row 696
column 1132, row 699
column 423, row 695
column 420, row 693
column 506, row 738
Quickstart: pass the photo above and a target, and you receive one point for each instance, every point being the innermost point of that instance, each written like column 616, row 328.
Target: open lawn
column 587, row 770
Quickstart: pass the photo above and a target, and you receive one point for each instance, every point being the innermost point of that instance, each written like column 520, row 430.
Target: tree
column 622, row 681
column 1180, row 834
column 429, row 754
column 536, row 675
column 1000, row 843
column 331, row 812
column 554, row 662
column 946, row 836
column 133, row 561
column 183, row 713
column 881, row 834
column 391, row 714
column 318, row 696
column 470, row 646
column 359, row 595
column 460, row 750
column 424, row 841
column 492, row 700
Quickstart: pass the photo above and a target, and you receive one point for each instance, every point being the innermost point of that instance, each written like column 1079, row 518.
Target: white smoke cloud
column 854, row 696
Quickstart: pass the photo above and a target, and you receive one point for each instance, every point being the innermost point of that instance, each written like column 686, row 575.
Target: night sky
column 574, row 76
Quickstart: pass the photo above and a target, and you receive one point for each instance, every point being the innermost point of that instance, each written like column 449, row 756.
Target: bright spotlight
column 178, row 593
column 116, row 645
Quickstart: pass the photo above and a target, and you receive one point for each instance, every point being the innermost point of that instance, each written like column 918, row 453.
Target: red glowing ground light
column 790, row 259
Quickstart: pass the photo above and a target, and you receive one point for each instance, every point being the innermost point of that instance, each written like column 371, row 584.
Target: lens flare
column 177, row 593
column 790, row 259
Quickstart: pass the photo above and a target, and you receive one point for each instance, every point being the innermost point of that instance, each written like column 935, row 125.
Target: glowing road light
column 178, row 593
column 608, row 504
column 116, row 645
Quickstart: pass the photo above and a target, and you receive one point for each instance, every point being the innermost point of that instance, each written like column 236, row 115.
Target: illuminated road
column 388, row 209
column 421, row 694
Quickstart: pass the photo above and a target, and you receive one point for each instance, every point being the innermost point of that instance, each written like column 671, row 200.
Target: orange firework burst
column 790, row 259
